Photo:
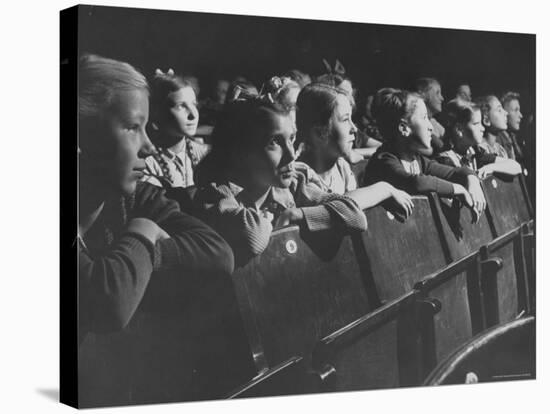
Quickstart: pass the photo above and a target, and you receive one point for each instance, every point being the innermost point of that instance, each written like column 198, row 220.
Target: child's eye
column 273, row 142
column 133, row 128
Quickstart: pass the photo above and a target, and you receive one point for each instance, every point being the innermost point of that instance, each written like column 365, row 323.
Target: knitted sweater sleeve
column 323, row 210
column 246, row 229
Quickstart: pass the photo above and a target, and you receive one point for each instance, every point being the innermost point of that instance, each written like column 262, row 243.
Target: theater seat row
column 382, row 308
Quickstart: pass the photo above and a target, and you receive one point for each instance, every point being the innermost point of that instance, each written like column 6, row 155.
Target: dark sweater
column 115, row 266
column 480, row 155
column 385, row 165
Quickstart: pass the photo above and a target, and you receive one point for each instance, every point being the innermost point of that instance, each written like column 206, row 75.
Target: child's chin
column 190, row 131
column 427, row 151
column 129, row 188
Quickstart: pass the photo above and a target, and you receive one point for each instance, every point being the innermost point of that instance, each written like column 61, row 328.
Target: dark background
column 215, row 45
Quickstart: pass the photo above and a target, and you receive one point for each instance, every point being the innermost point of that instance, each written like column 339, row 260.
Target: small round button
column 494, row 183
column 390, row 215
column 291, row 246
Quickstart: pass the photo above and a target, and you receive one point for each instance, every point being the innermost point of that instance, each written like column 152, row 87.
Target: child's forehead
column 494, row 102
column 476, row 113
column 184, row 93
column 418, row 105
column 343, row 104
column 512, row 103
column 130, row 103
column 434, row 86
column 281, row 123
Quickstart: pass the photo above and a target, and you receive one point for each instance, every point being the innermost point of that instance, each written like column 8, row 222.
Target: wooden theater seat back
column 301, row 288
column 508, row 203
column 399, row 253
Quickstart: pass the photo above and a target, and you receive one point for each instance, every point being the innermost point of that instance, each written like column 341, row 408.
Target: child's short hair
column 99, row 80
column 390, row 107
column 314, row 109
column 508, row 96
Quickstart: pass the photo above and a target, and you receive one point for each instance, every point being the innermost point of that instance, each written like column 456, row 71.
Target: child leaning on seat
column 127, row 229
column 327, row 132
column 403, row 121
column 463, row 136
column 248, row 184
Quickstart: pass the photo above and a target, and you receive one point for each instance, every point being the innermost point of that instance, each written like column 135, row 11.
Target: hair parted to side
column 314, row 108
column 99, row 80
column 508, row 96
column 238, row 131
column 391, row 107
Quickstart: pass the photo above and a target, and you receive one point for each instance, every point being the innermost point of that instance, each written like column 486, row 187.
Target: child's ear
column 458, row 130
column 404, row 129
column 485, row 121
column 319, row 134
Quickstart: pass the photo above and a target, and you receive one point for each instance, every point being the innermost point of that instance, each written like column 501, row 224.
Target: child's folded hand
column 478, row 198
column 485, row 171
column 289, row 216
column 404, row 201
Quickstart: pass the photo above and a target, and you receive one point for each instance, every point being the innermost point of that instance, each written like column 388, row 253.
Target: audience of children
column 248, row 180
column 327, row 133
column 248, row 184
column 464, row 134
column 403, row 120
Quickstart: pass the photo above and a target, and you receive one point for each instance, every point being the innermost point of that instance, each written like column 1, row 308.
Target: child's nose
column 353, row 129
column 288, row 153
column 147, row 147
